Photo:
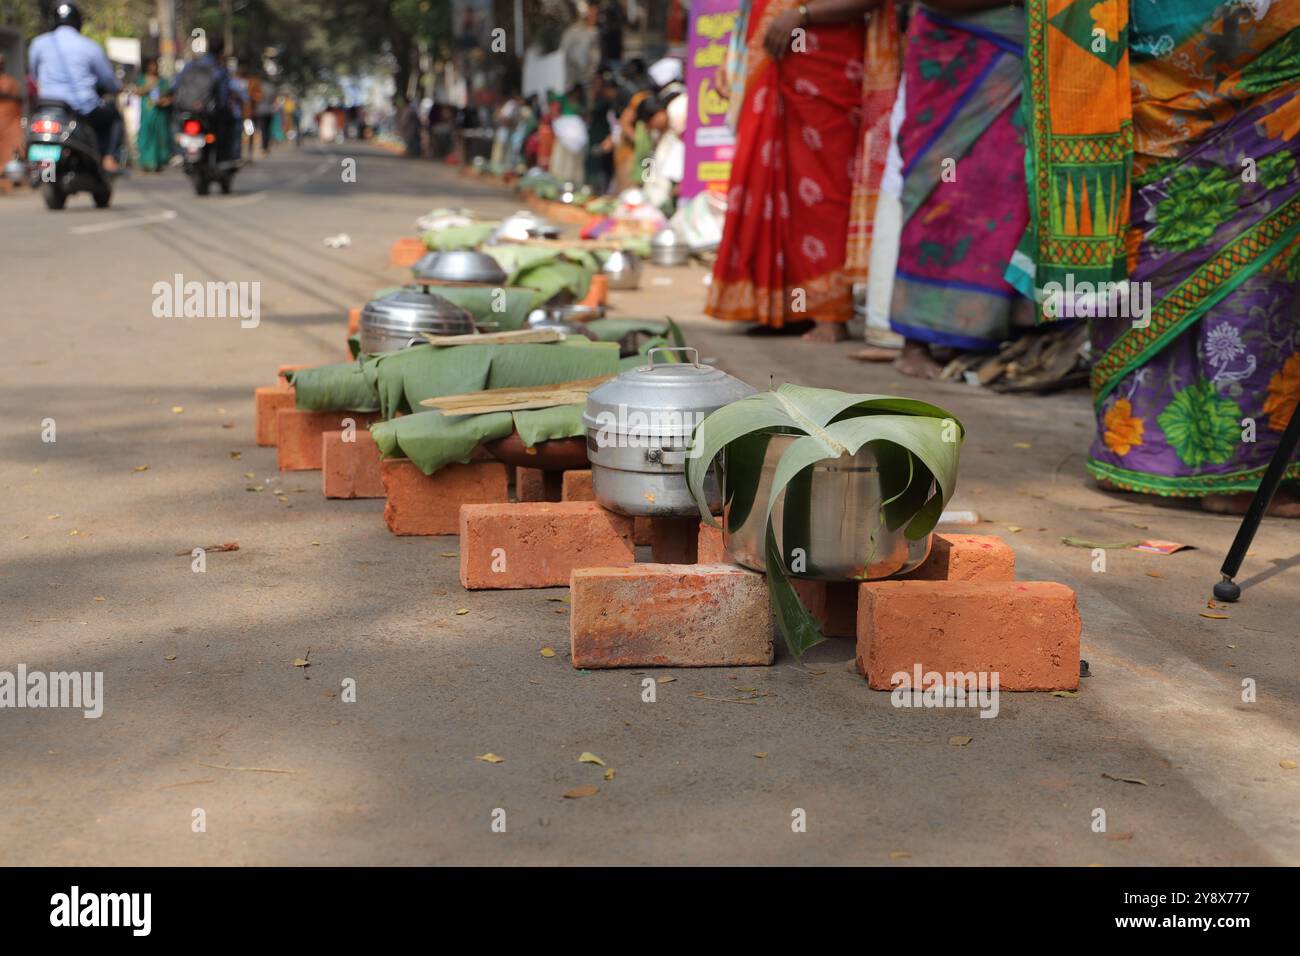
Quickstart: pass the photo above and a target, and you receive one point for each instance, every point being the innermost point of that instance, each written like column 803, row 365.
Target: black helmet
column 67, row 15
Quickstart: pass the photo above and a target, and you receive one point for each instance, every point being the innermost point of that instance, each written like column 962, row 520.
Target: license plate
column 190, row 142
column 44, row 153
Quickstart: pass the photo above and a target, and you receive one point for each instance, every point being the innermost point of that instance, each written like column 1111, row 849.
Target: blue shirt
column 70, row 67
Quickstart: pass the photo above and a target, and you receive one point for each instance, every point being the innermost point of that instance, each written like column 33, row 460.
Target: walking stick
column 1227, row 589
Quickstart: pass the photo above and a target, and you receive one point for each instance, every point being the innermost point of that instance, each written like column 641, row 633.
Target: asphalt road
column 205, row 710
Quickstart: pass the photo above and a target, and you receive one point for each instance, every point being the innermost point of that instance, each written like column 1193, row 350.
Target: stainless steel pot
column 460, row 265
column 668, row 249
column 831, row 511
column 569, row 319
column 622, row 270
column 639, row 429
column 522, row 225
column 400, row 319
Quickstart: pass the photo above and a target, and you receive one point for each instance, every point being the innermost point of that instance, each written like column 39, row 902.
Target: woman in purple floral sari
column 1197, row 373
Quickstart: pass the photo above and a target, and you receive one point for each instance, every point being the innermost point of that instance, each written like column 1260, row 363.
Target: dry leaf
column 177, row 409
column 170, row 657
column 462, row 610
column 589, row 757
column 1014, row 528
column 959, row 741
column 303, row 661
column 490, row 758
column 665, row 680
column 761, row 754
column 449, row 554
column 547, row 652
column 140, row 468
column 577, row 793
column 1137, row 780
column 236, row 455
column 609, row 773
column 1065, row 693
column 1154, row 574
column 1022, row 444
column 250, row 474
column 1287, row 764
column 1124, row 835
column 1215, row 617
column 52, row 517
column 899, row 855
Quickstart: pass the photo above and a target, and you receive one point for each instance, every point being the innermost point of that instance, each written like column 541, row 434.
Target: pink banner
column 710, row 145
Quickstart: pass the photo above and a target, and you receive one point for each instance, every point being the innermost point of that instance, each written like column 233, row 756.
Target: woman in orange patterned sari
column 795, row 177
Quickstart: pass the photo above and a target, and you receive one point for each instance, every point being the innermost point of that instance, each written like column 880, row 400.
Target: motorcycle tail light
column 209, row 138
column 46, row 126
column 191, row 127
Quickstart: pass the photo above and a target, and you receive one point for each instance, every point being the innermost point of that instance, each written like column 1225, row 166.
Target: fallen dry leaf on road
column 1215, row 617
column 140, row 468
column 236, row 455
column 577, row 793
column 170, row 657
column 664, row 680
column 899, row 855
column 1137, row 780
column 303, row 661
column 462, row 611
column 1123, row 835
column 211, row 549
column 1287, row 764
column 177, row 409
column 1154, row 574
column 1065, row 693
column 547, row 652
column 449, row 554
column 1104, row 545
column 1014, row 528
column 609, row 774
column 490, row 758
column 589, row 757
column 761, row 754
column 959, row 741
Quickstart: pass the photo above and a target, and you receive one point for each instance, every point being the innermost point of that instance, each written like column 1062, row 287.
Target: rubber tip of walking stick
column 1228, row 591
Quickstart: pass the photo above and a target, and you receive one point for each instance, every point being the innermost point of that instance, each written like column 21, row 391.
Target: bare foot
column 874, row 353
column 826, row 332
column 916, row 361
column 110, row 165
column 1284, row 504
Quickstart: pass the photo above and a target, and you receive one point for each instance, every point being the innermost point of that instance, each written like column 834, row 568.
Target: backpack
column 196, row 89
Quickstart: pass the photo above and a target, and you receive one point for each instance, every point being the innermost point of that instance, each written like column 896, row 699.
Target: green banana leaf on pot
column 917, row 446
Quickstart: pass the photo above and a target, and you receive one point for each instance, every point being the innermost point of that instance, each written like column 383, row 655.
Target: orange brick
column 641, row 532
column 405, row 253
column 1027, row 632
column 537, row 544
column 576, row 486
column 834, row 604
column 967, row 557
column 350, row 469
column 298, row 435
column 709, row 548
column 267, row 402
column 669, row 615
column 673, row 540
column 354, row 320
column 430, row 504
column 534, row 484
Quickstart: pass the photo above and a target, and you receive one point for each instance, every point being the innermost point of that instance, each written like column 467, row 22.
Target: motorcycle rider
column 225, row 122
column 72, row 68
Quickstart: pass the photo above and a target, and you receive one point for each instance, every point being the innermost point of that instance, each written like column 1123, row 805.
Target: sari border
column 1190, row 486
column 1231, row 266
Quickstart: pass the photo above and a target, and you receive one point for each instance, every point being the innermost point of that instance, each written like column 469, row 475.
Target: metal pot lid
column 666, row 238
column 683, row 387
column 460, row 265
column 620, row 260
column 414, row 311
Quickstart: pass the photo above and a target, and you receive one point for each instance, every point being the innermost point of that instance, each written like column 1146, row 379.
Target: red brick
column 834, row 604
column 669, row 615
column 350, row 469
column 354, row 320
column 298, row 435
column 430, row 504
column 1025, row 631
column 537, row 544
column 576, row 486
column 641, row 532
column 405, row 253
column 674, row 540
column 708, row 546
column 967, row 557
column 534, row 484
column 267, row 402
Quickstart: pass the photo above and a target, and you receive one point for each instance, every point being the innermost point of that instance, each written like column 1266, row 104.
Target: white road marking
column 164, row 216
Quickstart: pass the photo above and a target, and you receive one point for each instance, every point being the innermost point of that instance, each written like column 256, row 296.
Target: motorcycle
column 63, row 156
column 196, row 141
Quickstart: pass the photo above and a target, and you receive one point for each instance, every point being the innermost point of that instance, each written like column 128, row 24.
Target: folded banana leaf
column 330, row 387
column 458, row 237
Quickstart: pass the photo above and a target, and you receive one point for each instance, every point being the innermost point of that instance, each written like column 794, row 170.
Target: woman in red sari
column 798, row 147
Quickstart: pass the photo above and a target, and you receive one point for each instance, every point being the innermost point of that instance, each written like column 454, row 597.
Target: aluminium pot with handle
column 639, row 428
column 400, row 319
column 827, row 521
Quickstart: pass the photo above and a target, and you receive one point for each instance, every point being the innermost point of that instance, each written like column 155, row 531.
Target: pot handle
column 650, row 356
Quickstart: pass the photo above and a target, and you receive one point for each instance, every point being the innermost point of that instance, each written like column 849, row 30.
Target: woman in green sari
column 1165, row 209
column 154, row 141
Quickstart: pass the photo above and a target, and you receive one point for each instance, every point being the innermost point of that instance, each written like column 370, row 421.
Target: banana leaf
column 507, row 306
column 329, row 387
column 458, row 237
column 917, row 446
column 433, row 440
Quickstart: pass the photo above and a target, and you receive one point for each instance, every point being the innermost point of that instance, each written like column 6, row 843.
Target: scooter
column 63, row 156
column 196, row 141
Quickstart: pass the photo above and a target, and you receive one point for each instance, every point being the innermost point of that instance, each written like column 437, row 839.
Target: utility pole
column 228, row 25
column 166, row 37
